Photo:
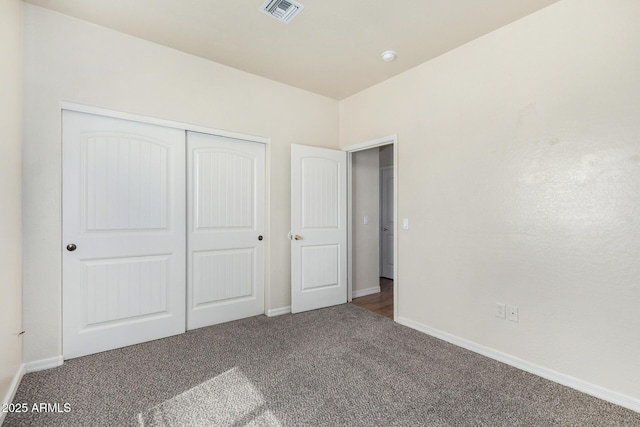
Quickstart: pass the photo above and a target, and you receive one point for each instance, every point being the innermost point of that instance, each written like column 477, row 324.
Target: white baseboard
column 279, row 311
column 365, row 292
column 13, row 388
column 41, row 365
column 566, row 380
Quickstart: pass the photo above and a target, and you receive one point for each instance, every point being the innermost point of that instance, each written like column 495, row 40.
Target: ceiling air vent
column 282, row 10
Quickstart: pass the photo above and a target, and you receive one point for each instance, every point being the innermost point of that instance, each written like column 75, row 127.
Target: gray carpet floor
column 340, row 366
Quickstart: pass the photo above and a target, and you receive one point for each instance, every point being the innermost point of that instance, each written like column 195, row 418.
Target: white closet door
column 226, row 224
column 123, row 238
column 318, row 227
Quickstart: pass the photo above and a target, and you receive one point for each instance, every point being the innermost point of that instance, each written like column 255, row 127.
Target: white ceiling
column 331, row 48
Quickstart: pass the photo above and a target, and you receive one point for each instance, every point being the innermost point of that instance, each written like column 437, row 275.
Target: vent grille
column 282, row 10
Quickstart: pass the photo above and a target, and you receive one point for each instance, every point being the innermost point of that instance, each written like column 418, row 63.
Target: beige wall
column 71, row 60
column 10, row 194
column 519, row 170
column 365, row 201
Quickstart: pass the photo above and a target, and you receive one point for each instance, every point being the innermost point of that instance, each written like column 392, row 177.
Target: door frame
column 381, row 169
column 83, row 108
column 387, row 140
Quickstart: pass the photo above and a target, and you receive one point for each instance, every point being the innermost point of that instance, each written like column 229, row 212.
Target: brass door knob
column 297, row 237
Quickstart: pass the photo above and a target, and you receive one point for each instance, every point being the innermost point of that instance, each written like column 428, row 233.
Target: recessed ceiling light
column 388, row 55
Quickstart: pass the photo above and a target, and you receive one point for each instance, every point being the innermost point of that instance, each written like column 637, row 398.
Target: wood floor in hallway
column 382, row 302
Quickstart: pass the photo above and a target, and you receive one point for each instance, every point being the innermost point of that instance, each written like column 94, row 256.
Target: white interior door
column 226, row 224
column 123, row 233
column 318, row 228
column 386, row 222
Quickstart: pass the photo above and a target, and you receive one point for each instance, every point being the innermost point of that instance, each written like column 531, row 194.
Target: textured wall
column 70, row 60
column 10, row 193
column 519, row 169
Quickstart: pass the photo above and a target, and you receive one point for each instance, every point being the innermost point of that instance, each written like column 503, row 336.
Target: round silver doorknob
column 385, row 229
column 71, row 247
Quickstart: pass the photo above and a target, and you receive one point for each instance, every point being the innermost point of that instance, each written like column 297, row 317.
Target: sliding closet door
column 123, row 240
column 225, row 229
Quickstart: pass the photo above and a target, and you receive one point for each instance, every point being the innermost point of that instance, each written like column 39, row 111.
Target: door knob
column 259, row 237
column 297, row 237
column 385, row 229
column 71, row 247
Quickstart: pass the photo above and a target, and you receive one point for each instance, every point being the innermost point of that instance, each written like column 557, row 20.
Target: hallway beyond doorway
column 381, row 302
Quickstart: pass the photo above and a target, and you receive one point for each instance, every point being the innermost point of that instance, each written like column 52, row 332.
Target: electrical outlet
column 512, row 313
column 501, row 310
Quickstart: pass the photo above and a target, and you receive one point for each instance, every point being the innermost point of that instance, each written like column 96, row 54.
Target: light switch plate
column 501, row 310
column 405, row 224
column 512, row 313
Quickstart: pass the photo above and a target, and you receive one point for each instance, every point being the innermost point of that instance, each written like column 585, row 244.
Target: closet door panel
column 225, row 230
column 123, row 245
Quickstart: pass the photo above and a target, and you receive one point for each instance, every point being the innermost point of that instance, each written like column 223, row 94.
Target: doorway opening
column 372, row 237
